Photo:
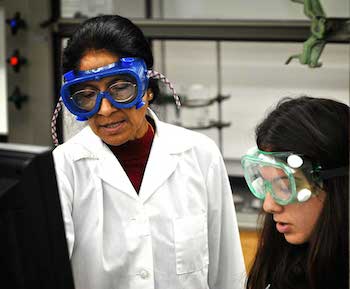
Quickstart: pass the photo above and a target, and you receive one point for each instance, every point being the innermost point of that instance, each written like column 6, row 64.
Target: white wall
column 255, row 75
column 3, row 78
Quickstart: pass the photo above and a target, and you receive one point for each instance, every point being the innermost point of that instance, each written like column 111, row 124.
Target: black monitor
column 33, row 247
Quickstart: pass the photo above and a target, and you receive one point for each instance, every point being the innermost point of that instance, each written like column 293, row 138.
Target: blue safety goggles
column 125, row 92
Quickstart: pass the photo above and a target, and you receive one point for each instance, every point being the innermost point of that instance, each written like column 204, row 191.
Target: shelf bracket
column 321, row 28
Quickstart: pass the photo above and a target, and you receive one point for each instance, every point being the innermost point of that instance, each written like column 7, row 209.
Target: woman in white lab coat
column 146, row 204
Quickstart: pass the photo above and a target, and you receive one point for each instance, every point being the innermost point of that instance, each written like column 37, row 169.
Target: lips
column 112, row 124
column 283, row 227
column 112, row 128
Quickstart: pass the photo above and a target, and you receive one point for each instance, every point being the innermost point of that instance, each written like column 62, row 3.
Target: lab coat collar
column 107, row 167
column 95, row 148
column 161, row 164
column 169, row 138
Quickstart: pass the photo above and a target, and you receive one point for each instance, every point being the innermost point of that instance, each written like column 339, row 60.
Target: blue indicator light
column 13, row 23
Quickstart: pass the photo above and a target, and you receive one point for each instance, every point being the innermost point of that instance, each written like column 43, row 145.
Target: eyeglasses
column 121, row 91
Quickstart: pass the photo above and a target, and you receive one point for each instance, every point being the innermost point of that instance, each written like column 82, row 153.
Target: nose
column 270, row 206
column 106, row 108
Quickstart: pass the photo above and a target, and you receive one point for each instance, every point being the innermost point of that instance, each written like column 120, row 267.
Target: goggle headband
column 283, row 157
column 311, row 170
column 135, row 67
column 316, row 170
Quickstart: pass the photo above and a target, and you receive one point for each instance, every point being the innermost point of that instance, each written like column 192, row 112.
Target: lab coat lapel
column 110, row 171
column 161, row 164
column 107, row 166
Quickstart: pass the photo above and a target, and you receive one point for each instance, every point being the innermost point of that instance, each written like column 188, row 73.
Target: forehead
column 96, row 58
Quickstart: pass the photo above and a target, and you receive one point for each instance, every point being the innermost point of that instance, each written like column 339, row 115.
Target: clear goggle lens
column 121, row 91
column 264, row 179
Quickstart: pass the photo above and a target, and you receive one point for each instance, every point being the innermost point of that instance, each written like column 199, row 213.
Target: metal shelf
column 194, row 103
column 233, row 30
column 211, row 124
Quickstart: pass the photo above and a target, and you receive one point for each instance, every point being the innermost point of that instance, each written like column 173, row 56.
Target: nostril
column 106, row 108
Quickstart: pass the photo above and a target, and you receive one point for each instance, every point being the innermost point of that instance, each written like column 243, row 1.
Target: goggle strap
column 158, row 75
column 331, row 173
column 139, row 104
column 54, row 121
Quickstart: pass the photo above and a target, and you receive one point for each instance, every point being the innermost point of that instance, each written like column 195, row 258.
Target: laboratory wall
column 253, row 75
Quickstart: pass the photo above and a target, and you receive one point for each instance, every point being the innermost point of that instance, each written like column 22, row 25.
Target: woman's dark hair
column 113, row 33
column 319, row 129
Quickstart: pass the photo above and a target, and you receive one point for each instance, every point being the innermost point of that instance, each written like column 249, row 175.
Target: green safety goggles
column 287, row 176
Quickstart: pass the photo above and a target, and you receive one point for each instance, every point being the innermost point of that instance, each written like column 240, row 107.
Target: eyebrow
column 278, row 178
column 285, row 177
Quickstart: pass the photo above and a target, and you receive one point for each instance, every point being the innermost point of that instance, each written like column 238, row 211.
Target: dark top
column 133, row 156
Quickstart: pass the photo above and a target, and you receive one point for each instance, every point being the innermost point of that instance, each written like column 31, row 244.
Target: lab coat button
column 144, row 274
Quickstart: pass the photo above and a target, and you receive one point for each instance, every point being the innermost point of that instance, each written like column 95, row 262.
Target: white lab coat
column 179, row 232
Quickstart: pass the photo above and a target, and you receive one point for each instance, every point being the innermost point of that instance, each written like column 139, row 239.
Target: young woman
column 145, row 204
column 300, row 169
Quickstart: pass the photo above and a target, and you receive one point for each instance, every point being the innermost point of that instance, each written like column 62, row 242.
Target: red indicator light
column 14, row 60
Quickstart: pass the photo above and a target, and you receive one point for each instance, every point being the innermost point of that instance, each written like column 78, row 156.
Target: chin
column 115, row 139
column 295, row 240
column 113, row 142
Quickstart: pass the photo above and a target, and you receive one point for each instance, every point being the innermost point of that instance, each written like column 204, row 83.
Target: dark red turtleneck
column 133, row 156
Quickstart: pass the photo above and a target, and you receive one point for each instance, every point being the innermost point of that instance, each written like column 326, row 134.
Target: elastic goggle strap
column 331, row 173
column 54, row 121
column 157, row 75
column 150, row 74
